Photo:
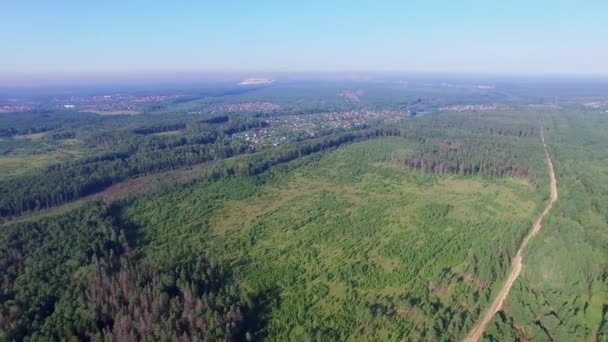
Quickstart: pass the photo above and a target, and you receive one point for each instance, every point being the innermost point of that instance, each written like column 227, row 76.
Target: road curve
column 517, row 263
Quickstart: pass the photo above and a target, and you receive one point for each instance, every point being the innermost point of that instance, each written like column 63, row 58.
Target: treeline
column 133, row 156
column 257, row 163
column 193, row 133
column 216, row 119
column 71, row 180
column 43, row 121
column 508, row 125
column 62, row 135
column 75, row 277
column 228, row 125
column 464, row 158
column 159, row 129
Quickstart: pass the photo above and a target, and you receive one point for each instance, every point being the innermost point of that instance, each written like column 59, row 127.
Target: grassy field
column 348, row 245
column 17, row 165
column 30, row 152
column 33, row 136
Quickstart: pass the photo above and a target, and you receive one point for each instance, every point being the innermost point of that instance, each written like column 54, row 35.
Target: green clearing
column 36, row 154
column 17, row 165
column 33, row 136
column 354, row 246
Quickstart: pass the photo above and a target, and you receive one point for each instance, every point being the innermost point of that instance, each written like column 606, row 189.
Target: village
column 287, row 128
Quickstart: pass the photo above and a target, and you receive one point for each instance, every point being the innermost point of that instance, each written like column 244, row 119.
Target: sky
column 138, row 37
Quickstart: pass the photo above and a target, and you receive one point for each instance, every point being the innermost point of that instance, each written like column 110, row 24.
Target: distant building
column 69, row 106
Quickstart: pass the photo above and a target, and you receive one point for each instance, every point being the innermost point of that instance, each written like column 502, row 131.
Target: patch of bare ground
column 440, row 289
column 409, row 314
column 147, row 183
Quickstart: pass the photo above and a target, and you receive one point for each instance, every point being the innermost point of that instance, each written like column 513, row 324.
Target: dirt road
column 517, row 264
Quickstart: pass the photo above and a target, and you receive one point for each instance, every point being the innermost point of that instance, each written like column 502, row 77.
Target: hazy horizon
column 197, row 77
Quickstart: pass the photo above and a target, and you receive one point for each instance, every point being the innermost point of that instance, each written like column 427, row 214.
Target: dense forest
column 471, row 158
column 75, row 276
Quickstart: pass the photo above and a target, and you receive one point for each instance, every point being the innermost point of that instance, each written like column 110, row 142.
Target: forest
column 398, row 228
column 563, row 292
column 74, row 277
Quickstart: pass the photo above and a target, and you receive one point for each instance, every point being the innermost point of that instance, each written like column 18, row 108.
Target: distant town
column 471, row 108
column 101, row 104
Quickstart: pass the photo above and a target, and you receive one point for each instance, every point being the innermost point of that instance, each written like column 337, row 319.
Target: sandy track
column 517, row 263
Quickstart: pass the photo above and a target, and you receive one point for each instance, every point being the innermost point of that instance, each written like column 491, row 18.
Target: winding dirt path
column 517, row 264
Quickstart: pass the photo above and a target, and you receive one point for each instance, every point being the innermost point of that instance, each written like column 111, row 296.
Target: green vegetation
column 396, row 230
column 35, row 156
column 73, row 277
column 132, row 153
column 355, row 247
column 562, row 294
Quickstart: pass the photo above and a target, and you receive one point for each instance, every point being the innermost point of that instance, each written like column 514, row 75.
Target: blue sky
column 495, row 37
